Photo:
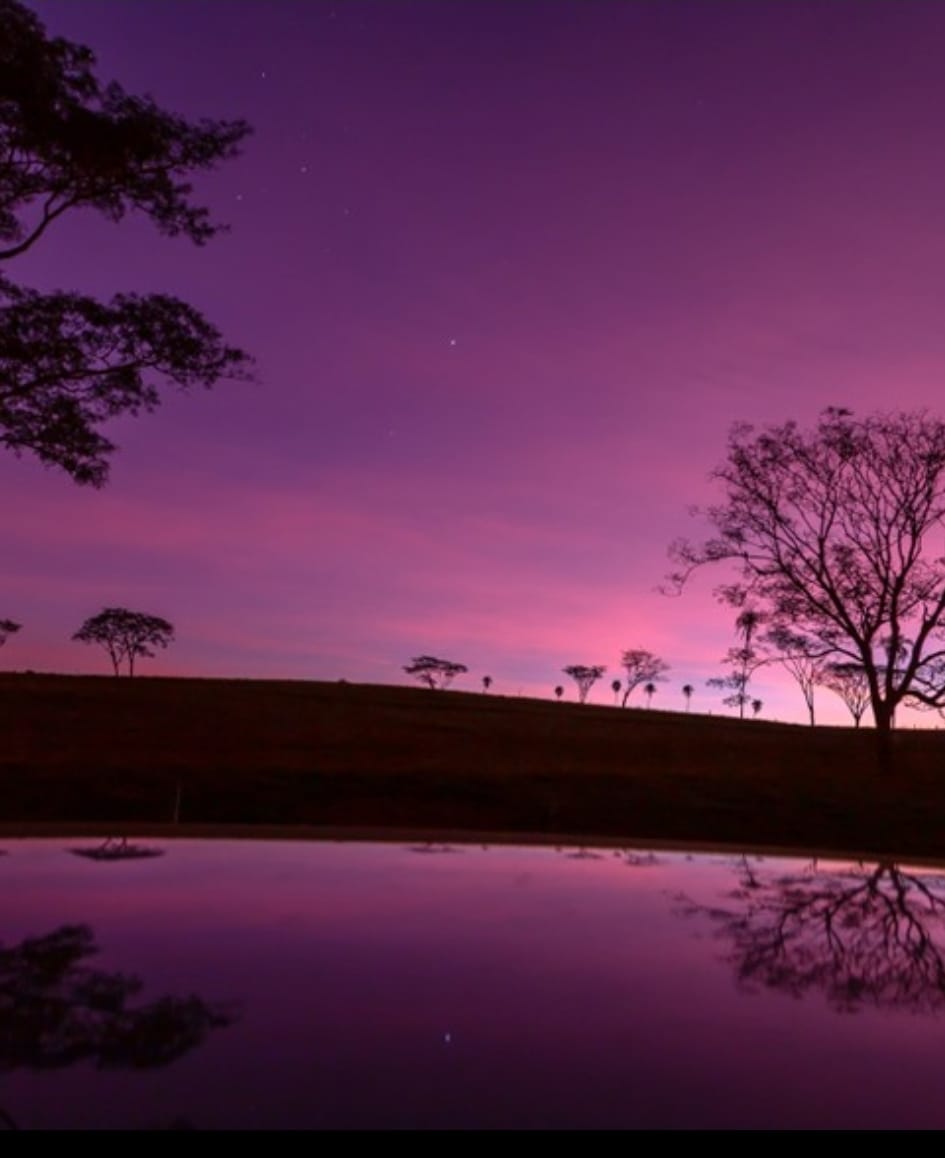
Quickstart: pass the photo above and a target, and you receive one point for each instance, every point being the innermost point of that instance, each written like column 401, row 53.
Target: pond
column 236, row 984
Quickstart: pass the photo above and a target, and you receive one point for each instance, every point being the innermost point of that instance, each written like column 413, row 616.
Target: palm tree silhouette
column 615, row 688
column 486, row 683
column 756, row 706
column 687, row 691
column 559, row 692
column 648, row 690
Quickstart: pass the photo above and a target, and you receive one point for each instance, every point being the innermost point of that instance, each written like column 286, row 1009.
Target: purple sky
column 510, row 271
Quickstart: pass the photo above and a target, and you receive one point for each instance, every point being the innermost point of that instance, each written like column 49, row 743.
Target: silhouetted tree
column 865, row 935
column 559, row 692
column 584, row 677
column 756, row 706
column 796, row 656
column 55, row 1010
column 743, row 661
column 615, row 688
column 7, row 628
column 851, row 684
column 69, row 362
column 435, row 673
column 486, row 683
column 126, row 635
column 641, row 667
column 687, row 691
column 648, row 691
column 835, row 532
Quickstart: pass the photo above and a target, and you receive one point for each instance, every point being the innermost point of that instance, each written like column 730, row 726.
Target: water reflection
column 510, row 989
column 627, row 856
column 117, row 848
column 867, row 934
column 432, row 846
column 56, row 1010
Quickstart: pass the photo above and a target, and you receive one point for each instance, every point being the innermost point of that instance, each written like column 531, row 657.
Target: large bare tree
column 862, row 935
column 835, row 532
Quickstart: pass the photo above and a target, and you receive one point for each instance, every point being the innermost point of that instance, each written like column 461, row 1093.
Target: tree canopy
column 56, row 1010
column 834, row 532
column 436, row 673
column 642, row 667
column 8, row 627
column 126, row 635
column 68, row 362
column 585, row 676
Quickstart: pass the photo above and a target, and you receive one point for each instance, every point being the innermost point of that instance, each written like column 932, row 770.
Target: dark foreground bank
column 99, row 750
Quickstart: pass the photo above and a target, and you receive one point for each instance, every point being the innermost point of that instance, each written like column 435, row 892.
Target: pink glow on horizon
column 541, row 258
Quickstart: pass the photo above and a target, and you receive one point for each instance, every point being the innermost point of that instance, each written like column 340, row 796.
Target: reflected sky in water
column 385, row 985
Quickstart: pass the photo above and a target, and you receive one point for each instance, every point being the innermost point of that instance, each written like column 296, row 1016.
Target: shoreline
column 333, row 834
column 86, row 754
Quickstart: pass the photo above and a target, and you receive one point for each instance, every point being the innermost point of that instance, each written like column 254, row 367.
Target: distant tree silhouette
column 68, row 362
column 649, row 691
column 486, row 683
column 865, row 935
column 126, row 635
column 756, row 706
column 615, row 688
column 641, row 667
column 7, row 628
column 559, row 692
column 437, row 674
column 835, row 533
column 687, row 691
column 851, row 683
column 743, row 662
column 55, row 1010
column 798, row 656
column 585, row 677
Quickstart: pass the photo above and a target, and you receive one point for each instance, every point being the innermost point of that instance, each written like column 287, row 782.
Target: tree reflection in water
column 863, row 935
column 117, row 848
column 56, row 1010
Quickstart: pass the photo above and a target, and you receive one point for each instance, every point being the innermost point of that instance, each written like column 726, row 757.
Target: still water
column 226, row 984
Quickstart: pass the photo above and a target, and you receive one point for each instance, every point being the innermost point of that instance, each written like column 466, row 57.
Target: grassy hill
column 271, row 752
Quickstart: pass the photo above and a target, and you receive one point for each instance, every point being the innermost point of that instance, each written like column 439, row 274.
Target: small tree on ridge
column 642, row 667
column 436, row 673
column 126, row 635
column 585, row 677
column 7, row 628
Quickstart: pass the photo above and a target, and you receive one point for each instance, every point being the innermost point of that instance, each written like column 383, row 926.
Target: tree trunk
column 884, row 744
